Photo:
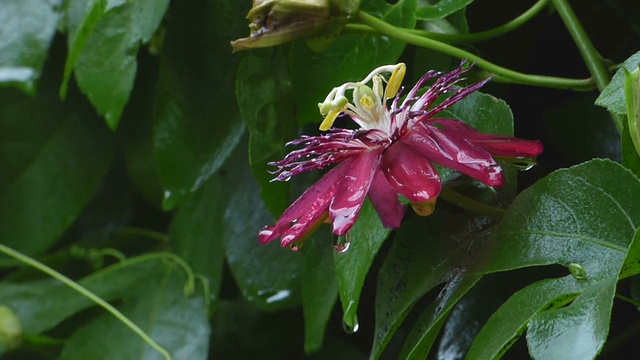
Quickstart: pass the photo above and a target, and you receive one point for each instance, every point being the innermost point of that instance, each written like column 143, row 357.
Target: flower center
column 368, row 109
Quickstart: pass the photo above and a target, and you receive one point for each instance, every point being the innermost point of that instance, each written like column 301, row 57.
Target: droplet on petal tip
column 424, row 209
column 341, row 243
column 265, row 234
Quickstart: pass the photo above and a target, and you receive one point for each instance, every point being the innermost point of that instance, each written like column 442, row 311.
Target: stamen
column 395, row 81
column 329, row 119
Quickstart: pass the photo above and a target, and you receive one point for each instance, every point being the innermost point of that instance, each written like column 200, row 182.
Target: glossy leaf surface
column 27, row 29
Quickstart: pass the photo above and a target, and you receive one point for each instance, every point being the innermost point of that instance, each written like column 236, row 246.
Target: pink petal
column 352, row 190
column 410, row 173
column 314, row 201
column 455, row 153
column 385, row 200
column 306, row 225
column 505, row 146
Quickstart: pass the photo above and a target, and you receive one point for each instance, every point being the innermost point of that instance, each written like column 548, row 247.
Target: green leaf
column 426, row 252
column 631, row 264
column 319, row 288
column 263, row 92
column 105, row 68
column 197, row 123
column 441, row 9
column 629, row 154
column 160, row 308
column 136, row 134
column 267, row 275
column 352, row 264
column 632, row 96
column 81, row 18
column 349, row 58
column 552, row 223
column 53, row 158
column 613, row 97
column 27, row 28
column 510, row 322
column 473, row 310
column 195, row 232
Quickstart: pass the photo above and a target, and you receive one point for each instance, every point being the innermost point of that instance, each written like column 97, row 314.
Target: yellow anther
column 329, row 119
column 395, row 80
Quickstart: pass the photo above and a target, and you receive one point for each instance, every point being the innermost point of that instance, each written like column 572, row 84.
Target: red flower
column 392, row 153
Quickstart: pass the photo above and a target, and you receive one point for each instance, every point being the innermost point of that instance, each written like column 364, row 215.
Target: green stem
column 501, row 72
column 462, row 38
column 469, row 204
column 629, row 300
column 80, row 289
column 592, row 58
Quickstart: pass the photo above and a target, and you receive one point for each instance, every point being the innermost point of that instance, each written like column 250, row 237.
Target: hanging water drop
column 341, row 243
column 350, row 329
column 523, row 164
column 294, row 247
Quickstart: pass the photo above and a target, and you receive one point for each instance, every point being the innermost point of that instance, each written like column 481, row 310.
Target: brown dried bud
column 275, row 22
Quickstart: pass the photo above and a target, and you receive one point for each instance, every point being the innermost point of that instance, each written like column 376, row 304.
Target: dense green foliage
column 134, row 180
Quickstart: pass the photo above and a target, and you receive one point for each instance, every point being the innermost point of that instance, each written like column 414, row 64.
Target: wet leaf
column 27, row 29
column 53, row 158
column 612, row 97
column 104, row 62
column 549, row 223
column 632, row 96
column 426, row 252
column 352, row 265
column 441, row 9
column 264, row 96
column 319, row 288
column 267, row 275
column 195, row 232
column 552, row 222
column 197, row 123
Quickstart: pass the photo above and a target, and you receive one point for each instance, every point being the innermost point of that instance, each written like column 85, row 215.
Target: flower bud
column 275, row 22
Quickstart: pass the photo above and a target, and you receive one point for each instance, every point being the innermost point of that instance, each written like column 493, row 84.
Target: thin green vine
column 460, row 38
column 502, row 74
column 85, row 292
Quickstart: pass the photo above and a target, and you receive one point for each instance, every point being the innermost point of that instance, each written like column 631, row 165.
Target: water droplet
column 350, row 329
column 295, row 247
column 271, row 296
column 341, row 243
column 578, row 272
column 523, row 166
column 350, row 318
